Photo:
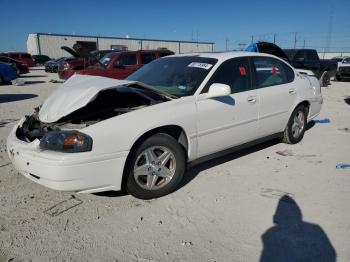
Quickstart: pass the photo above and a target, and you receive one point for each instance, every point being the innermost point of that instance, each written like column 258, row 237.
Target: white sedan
column 96, row 134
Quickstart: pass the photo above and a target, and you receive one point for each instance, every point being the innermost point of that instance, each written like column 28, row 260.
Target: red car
column 83, row 59
column 121, row 64
column 21, row 67
column 20, row 56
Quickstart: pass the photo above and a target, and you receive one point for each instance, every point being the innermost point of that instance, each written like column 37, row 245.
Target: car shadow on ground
column 31, row 76
column 34, row 82
column 221, row 158
column 15, row 97
column 292, row 239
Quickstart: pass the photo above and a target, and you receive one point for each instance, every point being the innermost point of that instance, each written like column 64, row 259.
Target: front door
column 225, row 122
column 124, row 66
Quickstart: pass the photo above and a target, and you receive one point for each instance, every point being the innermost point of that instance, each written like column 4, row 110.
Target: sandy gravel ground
column 224, row 211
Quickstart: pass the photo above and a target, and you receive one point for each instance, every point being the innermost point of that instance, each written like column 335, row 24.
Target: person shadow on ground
column 294, row 240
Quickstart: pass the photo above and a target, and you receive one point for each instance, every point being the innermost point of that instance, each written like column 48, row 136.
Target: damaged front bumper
column 80, row 172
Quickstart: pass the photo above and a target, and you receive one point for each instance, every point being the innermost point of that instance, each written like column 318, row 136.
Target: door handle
column 292, row 91
column 251, row 99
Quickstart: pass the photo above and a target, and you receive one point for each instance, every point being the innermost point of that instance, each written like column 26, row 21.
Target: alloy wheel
column 154, row 168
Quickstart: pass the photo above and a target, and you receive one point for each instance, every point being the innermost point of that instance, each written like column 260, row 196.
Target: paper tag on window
column 200, row 65
column 274, row 70
column 242, row 71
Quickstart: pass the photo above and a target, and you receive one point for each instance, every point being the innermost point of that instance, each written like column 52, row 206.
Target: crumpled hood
column 75, row 93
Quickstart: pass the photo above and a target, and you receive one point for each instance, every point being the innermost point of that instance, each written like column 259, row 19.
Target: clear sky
column 227, row 23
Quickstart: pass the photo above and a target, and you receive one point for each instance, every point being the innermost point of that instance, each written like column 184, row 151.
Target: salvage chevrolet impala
column 96, row 134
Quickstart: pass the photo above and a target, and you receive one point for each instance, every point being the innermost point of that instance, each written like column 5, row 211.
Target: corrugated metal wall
column 50, row 45
column 195, row 47
column 105, row 43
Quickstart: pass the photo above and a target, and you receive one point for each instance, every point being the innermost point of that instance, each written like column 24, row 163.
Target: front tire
column 156, row 167
column 295, row 129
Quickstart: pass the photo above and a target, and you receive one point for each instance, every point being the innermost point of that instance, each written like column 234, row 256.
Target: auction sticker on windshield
column 200, row 65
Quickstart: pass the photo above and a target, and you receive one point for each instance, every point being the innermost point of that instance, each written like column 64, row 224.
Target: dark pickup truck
column 308, row 59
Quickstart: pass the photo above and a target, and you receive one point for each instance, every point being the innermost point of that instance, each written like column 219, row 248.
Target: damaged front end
column 106, row 104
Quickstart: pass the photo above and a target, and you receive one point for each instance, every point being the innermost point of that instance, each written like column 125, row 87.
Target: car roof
column 225, row 55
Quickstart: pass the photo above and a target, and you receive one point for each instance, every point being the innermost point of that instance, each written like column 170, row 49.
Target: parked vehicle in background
column 20, row 56
column 120, row 65
column 97, row 134
column 324, row 69
column 343, row 69
column 83, row 59
column 40, row 59
column 8, row 72
column 22, row 68
column 98, row 54
column 52, row 65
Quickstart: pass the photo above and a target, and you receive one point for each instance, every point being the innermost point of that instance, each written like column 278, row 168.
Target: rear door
column 277, row 93
column 224, row 122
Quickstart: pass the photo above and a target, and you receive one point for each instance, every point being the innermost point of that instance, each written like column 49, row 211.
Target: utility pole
column 274, row 38
column 252, row 39
column 304, row 44
column 226, row 43
column 295, row 40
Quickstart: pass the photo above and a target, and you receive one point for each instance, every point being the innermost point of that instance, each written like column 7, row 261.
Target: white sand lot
column 219, row 214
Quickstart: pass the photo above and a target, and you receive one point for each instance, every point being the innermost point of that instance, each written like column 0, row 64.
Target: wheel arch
column 305, row 103
column 175, row 131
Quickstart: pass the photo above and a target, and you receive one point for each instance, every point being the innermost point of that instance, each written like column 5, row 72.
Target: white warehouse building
column 50, row 44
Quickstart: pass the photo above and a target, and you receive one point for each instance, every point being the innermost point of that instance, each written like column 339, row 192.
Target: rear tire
column 338, row 78
column 325, row 79
column 1, row 80
column 156, row 167
column 295, row 128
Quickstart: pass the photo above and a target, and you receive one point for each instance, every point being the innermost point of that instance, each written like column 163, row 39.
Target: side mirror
column 218, row 90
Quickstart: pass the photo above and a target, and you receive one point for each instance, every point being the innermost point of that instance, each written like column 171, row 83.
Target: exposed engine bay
column 107, row 104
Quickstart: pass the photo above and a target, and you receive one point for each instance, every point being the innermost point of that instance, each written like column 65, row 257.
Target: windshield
column 338, row 59
column 177, row 76
column 107, row 58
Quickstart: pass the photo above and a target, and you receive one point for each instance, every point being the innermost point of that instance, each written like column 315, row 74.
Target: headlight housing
column 66, row 141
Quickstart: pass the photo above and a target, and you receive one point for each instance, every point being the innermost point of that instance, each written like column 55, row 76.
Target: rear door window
column 147, row 57
column 270, row 71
